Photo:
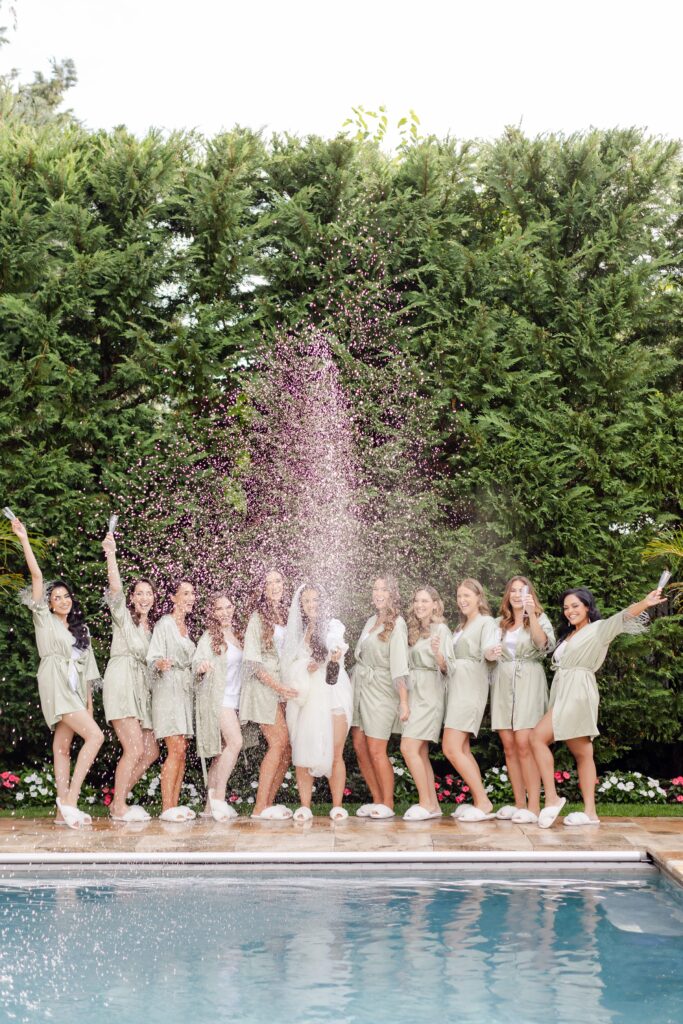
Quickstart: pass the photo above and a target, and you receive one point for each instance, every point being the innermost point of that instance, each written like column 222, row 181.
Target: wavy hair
column 152, row 613
column 586, row 599
column 393, row 608
column 506, row 611
column 75, row 620
column 476, row 588
column 213, row 626
column 270, row 616
column 416, row 631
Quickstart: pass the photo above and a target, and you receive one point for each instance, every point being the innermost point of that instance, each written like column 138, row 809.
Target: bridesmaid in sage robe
column 264, row 695
column 381, row 677
column 216, row 665
column 170, row 656
column 126, row 690
column 430, row 656
column 468, row 690
column 519, row 693
column 583, row 642
column 66, row 673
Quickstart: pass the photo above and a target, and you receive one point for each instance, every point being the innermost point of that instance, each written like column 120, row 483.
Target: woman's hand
column 404, row 711
column 288, row 692
column 109, row 545
column 19, row 528
column 493, row 653
column 653, row 598
column 312, row 666
column 529, row 606
column 335, row 655
column 163, row 664
column 204, row 667
column 435, row 645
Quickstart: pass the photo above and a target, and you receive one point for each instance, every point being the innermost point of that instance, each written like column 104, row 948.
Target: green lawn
column 604, row 810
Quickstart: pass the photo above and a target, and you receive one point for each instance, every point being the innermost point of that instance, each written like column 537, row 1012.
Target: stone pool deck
column 38, row 838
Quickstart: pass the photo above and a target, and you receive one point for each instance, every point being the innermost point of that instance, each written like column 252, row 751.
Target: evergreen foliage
column 531, row 287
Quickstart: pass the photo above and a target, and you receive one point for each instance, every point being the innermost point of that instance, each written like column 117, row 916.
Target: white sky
column 467, row 68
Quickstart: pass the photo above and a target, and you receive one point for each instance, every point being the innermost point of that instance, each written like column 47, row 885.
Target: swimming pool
column 216, row 944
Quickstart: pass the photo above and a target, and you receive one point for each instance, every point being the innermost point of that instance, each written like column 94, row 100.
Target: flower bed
column 35, row 787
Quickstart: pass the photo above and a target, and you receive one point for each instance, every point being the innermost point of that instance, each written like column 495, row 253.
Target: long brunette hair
column 319, row 650
column 270, row 615
column 415, row 628
column 587, row 599
column 213, row 626
column 135, row 615
column 75, row 620
column 476, row 588
column 506, row 612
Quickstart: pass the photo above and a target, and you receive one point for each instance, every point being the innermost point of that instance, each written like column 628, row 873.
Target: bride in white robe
column 319, row 718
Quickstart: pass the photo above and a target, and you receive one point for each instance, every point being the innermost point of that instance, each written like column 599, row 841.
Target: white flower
column 399, row 771
column 620, row 785
column 250, row 799
column 130, row 796
column 238, row 800
column 614, row 780
column 650, row 793
column 629, row 786
column 285, row 785
column 638, row 775
column 489, row 789
column 20, row 796
column 150, row 791
column 43, row 790
column 288, row 775
column 90, row 799
column 605, row 786
column 33, row 791
column 503, row 778
column 254, row 785
column 495, row 771
column 652, row 782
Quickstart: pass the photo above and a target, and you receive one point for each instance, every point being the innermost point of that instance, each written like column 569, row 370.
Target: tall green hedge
column 530, row 287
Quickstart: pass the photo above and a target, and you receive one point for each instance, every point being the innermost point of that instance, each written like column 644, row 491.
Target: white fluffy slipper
column 174, row 814
column 548, row 815
column 473, row 815
column 339, row 814
column 73, row 818
column 135, row 813
column 365, row 810
column 524, row 817
column 381, row 811
column 303, row 814
column 459, row 809
column 507, row 813
column 580, row 818
column 221, row 809
column 278, row 812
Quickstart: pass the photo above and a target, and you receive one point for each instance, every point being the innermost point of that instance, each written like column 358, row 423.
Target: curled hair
column 75, row 620
column 270, row 615
column 319, row 650
column 135, row 615
column 506, row 612
column 586, row 599
column 168, row 608
column 476, row 588
column 416, row 631
column 213, row 626
column 393, row 608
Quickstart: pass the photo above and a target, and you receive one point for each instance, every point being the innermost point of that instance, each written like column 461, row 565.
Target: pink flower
column 566, row 775
column 233, row 798
column 439, row 796
column 465, row 789
column 558, row 776
column 7, row 784
column 679, row 798
column 446, row 792
column 107, row 799
column 459, row 799
column 449, row 780
column 437, row 784
column 674, row 782
column 347, row 792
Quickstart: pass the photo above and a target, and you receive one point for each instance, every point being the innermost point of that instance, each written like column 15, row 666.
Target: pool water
column 381, row 946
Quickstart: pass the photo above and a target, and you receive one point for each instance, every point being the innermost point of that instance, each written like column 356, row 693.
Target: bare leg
column 414, row 753
column 582, row 749
column 456, row 747
column 540, row 739
column 383, row 770
column 304, row 783
column 530, row 772
column 172, row 771
column 367, row 769
column 62, row 739
column 275, row 763
column 337, row 777
column 150, row 754
column 514, row 766
column 84, row 725
column 222, row 766
column 129, row 736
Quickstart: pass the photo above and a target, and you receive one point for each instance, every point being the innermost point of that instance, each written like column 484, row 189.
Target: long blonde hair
column 476, row 588
column 415, row 628
column 393, row 608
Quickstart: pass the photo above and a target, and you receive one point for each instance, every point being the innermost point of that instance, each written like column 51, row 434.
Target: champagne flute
column 664, row 579
column 9, row 513
column 113, row 523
